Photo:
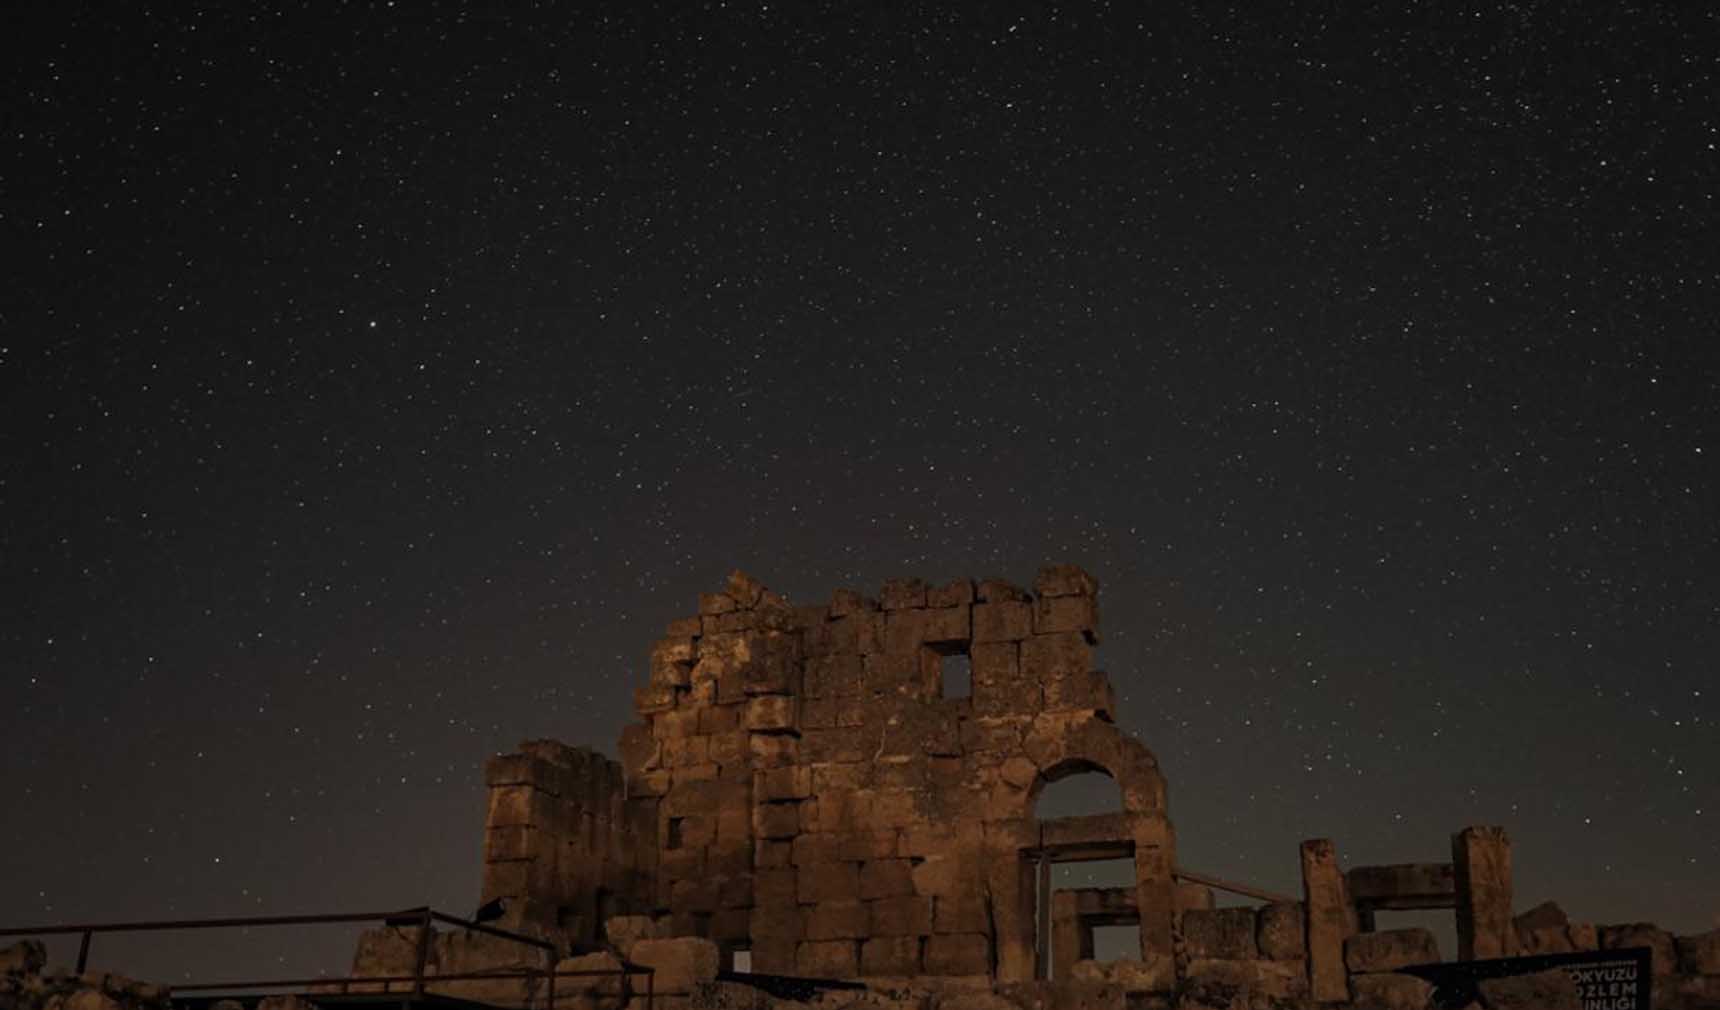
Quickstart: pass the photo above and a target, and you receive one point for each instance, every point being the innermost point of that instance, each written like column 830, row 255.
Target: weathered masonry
column 801, row 786
column 798, row 786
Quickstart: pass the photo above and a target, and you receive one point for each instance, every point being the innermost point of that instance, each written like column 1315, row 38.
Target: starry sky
column 380, row 377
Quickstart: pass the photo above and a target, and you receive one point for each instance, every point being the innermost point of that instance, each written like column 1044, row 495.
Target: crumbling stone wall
column 799, row 786
column 563, row 849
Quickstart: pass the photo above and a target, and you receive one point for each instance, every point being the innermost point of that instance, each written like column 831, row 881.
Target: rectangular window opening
column 957, row 675
column 674, row 839
column 741, row 960
column 1117, row 943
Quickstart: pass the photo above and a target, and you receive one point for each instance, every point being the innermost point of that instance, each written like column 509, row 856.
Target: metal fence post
column 84, row 952
column 423, row 954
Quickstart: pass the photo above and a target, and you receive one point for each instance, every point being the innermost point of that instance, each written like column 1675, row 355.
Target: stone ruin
column 800, row 796
column 799, row 788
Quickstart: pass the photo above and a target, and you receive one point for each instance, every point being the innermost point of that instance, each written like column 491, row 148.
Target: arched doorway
column 1084, row 905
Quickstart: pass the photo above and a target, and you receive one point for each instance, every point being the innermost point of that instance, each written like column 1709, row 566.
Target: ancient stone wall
column 822, row 803
column 799, row 786
column 563, row 849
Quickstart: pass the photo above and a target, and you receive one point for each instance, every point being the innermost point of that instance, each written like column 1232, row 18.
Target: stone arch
column 1060, row 745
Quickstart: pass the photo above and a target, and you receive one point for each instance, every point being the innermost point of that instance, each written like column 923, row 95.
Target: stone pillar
column 1155, row 891
column 1481, row 865
column 1331, row 920
column 1010, row 885
column 1066, row 934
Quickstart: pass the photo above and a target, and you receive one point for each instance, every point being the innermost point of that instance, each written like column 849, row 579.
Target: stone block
column 731, row 748
column 869, row 632
column 518, row 805
column 792, row 782
column 1697, row 992
column 655, row 698
column 1079, row 614
column 893, row 808
column 828, row 713
column 994, row 590
column 827, row 959
column 1699, row 954
column 995, row 662
column 623, row 931
column 1002, row 622
column 828, row 882
column 1279, row 931
column 715, row 603
column 776, row 820
column 1280, row 980
column 1221, row 933
column 948, row 626
column 26, row 957
column 1643, row 934
column 818, row 847
column 1328, row 924
column 776, row 922
column 692, row 798
column 1087, row 691
column 773, row 854
column 1065, row 580
column 1132, row 975
column 680, row 963
column 900, row 916
column 860, row 846
column 841, row 745
column 715, row 719
column 681, row 752
column 890, row 955
column 774, row 750
column 1481, row 870
column 959, row 913
column 694, row 831
column 773, row 713
column 841, row 776
column 518, row 841
column 849, row 601
column 1546, row 990
column 993, row 735
column 902, row 594
column 775, row 886
column 1387, row 991
column 836, row 920
column 1389, row 950
column 944, row 876
column 697, row 895
column 829, row 812
column 834, row 676
column 731, row 925
column 682, row 627
column 1057, row 654
column 953, row 594
column 958, row 954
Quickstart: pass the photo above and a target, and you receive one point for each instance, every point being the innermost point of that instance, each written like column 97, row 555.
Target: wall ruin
column 799, row 787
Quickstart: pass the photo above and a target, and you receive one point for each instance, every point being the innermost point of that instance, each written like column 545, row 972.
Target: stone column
column 1330, row 921
column 1155, row 891
column 1065, row 933
column 1481, row 865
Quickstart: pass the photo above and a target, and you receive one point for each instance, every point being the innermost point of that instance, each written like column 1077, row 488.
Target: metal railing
column 422, row 918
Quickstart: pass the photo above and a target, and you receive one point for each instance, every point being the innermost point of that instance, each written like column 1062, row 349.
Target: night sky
column 380, row 378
